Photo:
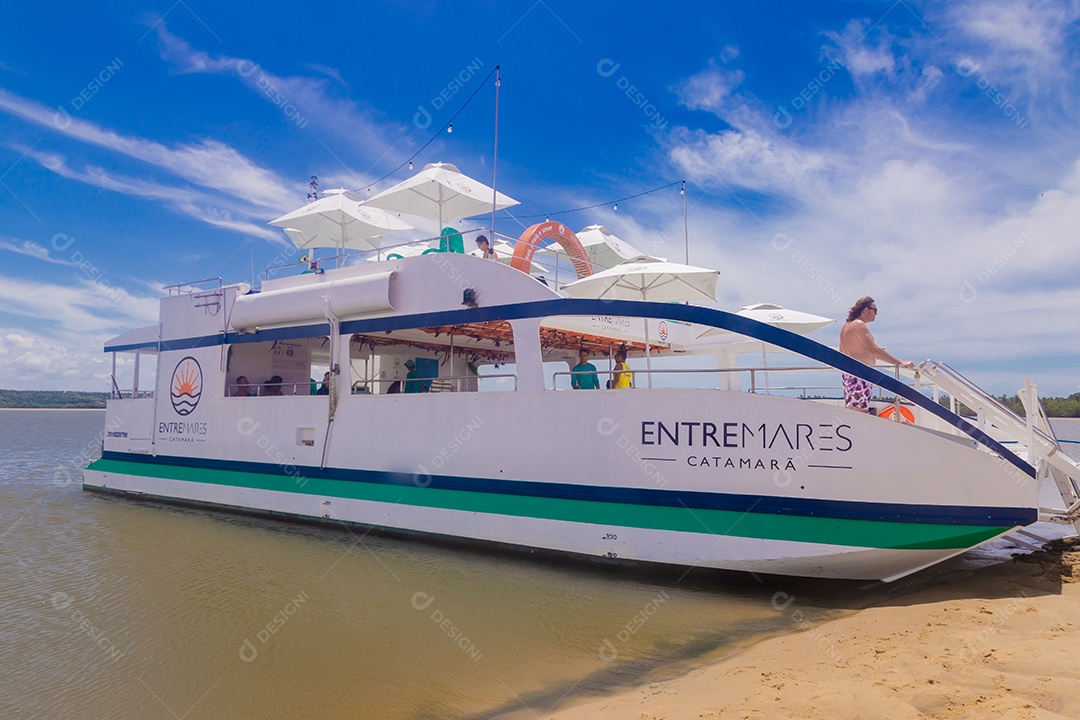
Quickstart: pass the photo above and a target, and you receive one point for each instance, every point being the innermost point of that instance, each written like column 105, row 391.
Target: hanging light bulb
column 450, row 128
column 616, row 206
column 410, row 164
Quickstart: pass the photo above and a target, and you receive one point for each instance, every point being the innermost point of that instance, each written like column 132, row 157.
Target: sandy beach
column 996, row 642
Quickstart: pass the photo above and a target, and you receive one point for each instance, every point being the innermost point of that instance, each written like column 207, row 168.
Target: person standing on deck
column 487, row 252
column 856, row 341
column 622, row 378
column 413, row 382
column 243, row 388
column 588, row 379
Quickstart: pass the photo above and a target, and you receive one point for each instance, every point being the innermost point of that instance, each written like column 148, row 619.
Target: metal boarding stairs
column 1032, row 434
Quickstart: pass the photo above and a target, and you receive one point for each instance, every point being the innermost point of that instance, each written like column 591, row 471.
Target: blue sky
column 923, row 153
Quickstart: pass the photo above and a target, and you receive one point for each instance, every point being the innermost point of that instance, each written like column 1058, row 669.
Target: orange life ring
column 906, row 414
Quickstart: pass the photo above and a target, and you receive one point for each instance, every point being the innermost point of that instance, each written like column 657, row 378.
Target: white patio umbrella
column 605, row 249
column 441, row 192
column 339, row 220
column 796, row 321
column 655, row 281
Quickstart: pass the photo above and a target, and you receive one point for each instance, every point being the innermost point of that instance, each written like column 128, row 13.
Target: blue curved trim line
column 134, row 346
column 628, row 308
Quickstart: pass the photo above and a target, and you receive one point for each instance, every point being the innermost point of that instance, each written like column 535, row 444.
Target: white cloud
column 93, row 303
column 711, row 89
column 963, row 234
column 31, row 249
column 54, row 331
column 212, row 209
column 332, row 73
column 859, row 57
column 31, row 362
column 742, row 158
column 1024, row 49
column 208, row 163
column 302, row 100
column 1027, row 31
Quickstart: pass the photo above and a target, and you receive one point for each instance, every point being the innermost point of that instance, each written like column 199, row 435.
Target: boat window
column 277, row 367
column 460, row 358
column 134, row 374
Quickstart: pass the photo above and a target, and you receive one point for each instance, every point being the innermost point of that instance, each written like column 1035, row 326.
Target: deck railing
column 759, row 377
column 443, row 383
column 756, row 374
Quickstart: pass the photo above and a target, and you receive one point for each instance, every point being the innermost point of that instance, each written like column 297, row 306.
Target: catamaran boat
column 709, row 461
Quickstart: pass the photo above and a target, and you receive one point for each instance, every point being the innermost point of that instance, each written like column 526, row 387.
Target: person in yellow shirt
column 622, row 377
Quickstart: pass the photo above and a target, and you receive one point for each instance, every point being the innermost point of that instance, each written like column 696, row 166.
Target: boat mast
column 495, row 164
column 686, row 228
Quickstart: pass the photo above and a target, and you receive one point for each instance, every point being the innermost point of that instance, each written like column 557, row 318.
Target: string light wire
column 449, row 124
column 614, row 203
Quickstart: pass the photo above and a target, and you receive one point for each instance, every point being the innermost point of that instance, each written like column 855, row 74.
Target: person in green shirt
column 413, row 383
column 588, row 380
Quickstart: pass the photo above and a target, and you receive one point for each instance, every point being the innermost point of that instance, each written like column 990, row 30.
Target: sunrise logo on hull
column 186, row 386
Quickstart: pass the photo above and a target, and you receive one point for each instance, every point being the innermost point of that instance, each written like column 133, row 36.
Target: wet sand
column 996, row 642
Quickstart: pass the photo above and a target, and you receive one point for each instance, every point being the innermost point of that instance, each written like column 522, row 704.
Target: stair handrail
column 932, row 366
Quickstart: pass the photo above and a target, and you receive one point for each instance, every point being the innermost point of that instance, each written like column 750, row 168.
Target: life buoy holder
column 907, row 415
column 530, row 241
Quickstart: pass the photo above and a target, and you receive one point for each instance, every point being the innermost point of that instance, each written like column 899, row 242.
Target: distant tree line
column 69, row 399
column 1054, row 406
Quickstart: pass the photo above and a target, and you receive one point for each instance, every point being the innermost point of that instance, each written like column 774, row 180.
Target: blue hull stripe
column 764, row 504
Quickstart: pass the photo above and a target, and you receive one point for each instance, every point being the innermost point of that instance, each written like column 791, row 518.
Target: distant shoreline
column 53, row 409
column 52, row 400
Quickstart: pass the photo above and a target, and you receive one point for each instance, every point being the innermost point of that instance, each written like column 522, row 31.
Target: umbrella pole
column 341, row 249
column 611, row 366
column 648, row 358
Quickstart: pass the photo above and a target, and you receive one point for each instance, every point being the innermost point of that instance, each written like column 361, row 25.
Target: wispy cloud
column 31, row 249
column 852, row 47
column 304, row 101
column 53, row 331
column 82, row 306
column 711, row 89
column 29, row 361
column 209, row 163
column 211, row 209
column 744, row 158
column 1025, row 49
column 1028, row 35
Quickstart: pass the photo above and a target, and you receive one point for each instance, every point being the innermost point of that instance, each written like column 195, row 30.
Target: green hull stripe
column 766, row 526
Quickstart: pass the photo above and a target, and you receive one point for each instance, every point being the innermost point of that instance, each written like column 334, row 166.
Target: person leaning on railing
column 243, row 388
column 273, row 387
column 856, row 341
